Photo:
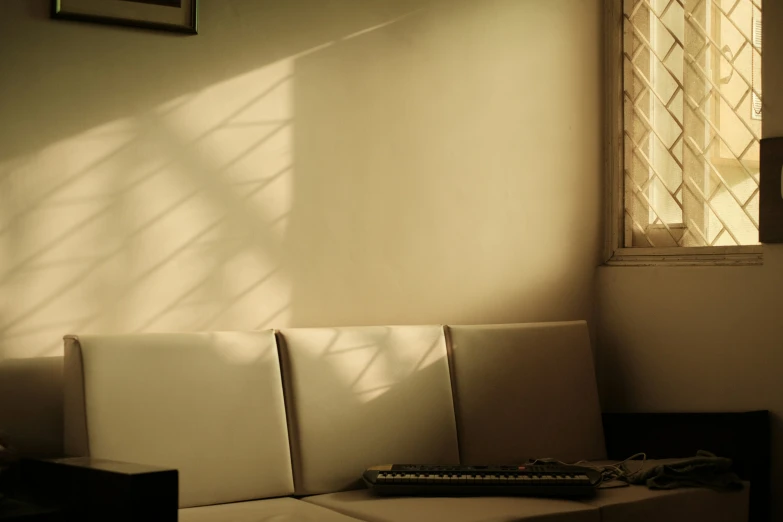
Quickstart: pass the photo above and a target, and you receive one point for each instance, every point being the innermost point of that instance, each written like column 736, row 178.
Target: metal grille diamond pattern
column 692, row 100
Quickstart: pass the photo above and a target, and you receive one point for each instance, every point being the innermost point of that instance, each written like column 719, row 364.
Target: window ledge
column 688, row 256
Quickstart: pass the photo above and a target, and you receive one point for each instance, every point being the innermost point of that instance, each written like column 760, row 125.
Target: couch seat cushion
column 642, row 504
column 209, row 405
column 364, row 505
column 362, row 396
column 525, row 391
column 277, row 509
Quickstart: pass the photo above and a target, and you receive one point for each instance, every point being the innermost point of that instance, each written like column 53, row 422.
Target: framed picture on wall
column 170, row 15
column 771, row 191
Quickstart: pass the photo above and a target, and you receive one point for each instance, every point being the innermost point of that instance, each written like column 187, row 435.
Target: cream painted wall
column 701, row 338
column 298, row 163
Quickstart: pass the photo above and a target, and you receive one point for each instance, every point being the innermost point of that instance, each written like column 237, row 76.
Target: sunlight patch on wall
column 169, row 220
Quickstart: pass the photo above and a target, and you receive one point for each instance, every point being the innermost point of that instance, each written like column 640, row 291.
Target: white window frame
column 615, row 253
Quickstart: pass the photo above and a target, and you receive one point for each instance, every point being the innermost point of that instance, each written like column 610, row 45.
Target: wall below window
column 297, row 163
column 702, row 338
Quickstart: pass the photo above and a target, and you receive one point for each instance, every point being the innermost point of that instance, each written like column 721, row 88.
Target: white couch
column 279, row 425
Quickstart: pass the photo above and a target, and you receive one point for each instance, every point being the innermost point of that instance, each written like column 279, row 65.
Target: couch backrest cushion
column 208, row 404
column 363, row 396
column 525, row 391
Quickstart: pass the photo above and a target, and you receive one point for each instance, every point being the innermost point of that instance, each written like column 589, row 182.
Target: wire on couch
column 611, row 475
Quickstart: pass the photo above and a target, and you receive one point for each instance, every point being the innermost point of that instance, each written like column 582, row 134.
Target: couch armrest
column 97, row 489
column 743, row 437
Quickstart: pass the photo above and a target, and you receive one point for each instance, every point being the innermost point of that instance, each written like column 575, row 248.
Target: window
column 685, row 133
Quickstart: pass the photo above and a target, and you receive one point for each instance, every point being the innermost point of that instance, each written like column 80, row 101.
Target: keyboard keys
column 443, row 480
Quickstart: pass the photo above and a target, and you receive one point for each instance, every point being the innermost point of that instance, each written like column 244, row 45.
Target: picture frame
column 771, row 191
column 169, row 15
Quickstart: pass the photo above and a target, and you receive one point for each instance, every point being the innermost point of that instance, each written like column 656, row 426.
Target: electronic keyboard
column 540, row 480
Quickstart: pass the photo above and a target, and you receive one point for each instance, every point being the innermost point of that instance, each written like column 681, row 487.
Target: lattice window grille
column 692, row 122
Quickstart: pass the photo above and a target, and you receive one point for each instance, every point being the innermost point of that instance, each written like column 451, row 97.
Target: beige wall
column 297, row 163
column 701, row 338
